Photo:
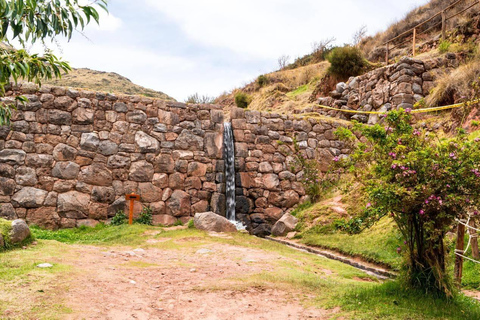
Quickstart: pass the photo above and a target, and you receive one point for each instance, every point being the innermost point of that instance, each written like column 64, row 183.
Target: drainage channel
column 376, row 272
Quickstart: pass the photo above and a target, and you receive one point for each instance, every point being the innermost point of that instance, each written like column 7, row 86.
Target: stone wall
column 399, row 85
column 70, row 157
column 268, row 182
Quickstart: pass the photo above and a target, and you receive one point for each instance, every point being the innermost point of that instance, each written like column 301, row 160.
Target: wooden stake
column 458, row 271
column 414, row 41
column 387, row 54
column 132, row 197
column 444, row 26
column 474, row 240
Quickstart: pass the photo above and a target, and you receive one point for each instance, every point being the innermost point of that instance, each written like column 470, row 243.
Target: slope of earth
column 104, row 81
column 283, row 91
column 149, row 273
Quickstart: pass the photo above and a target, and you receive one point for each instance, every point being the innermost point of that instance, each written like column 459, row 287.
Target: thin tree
column 319, row 48
column 31, row 21
column 283, row 61
column 359, row 35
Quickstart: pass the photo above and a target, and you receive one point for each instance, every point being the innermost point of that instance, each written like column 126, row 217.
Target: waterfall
column 229, row 171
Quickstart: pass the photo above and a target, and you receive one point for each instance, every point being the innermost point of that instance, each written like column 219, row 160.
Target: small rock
column 204, row 251
column 193, row 270
column 132, row 282
column 45, row 265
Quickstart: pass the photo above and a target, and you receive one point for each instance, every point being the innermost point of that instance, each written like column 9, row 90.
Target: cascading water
column 230, row 174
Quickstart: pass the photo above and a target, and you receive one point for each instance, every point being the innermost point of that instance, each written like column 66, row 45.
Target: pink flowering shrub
column 423, row 182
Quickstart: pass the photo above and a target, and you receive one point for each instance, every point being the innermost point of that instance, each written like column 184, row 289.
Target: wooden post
column 474, row 240
column 132, row 197
column 414, row 41
column 458, row 271
column 444, row 26
column 387, row 54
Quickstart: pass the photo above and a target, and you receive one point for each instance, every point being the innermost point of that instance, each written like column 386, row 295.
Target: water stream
column 230, row 175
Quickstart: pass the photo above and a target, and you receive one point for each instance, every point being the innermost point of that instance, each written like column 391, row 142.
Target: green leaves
column 32, row 20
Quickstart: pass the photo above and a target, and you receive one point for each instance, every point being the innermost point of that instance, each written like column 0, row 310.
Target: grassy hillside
column 283, row 91
column 105, row 81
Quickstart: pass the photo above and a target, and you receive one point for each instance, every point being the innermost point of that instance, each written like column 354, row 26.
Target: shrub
column 346, row 62
column 119, row 218
column 191, row 224
column 262, row 81
column 197, row 99
column 424, row 183
column 145, row 216
column 242, row 100
column 444, row 46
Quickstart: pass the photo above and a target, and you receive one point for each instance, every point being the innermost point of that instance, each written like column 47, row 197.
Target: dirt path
column 198, row 282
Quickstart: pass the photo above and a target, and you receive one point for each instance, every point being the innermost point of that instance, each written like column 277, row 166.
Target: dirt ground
column 198, row 282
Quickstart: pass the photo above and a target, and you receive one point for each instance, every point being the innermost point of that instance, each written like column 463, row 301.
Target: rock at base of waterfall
column 210, row 221
column 285, row 225
column 262, row 230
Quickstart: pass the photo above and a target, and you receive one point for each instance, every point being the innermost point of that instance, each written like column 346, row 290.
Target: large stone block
column 97, row 174
column 146, row 143
column 66, row 170
column 73, row 204
column 141, row 171
column 29, row 197
column 12, row 156
column 179, row 204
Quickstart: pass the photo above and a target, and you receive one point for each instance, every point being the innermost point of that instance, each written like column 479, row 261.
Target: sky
column 182, row 47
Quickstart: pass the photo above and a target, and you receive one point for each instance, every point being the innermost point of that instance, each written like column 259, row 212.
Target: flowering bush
column 423, row 182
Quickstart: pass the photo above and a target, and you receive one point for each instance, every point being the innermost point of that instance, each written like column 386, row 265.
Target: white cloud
column 270, row 28
column 108, row 22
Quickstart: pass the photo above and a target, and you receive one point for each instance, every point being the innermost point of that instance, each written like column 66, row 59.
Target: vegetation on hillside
column 110, row 82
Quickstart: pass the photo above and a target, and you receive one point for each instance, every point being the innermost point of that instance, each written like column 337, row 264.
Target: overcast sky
column 182, row 47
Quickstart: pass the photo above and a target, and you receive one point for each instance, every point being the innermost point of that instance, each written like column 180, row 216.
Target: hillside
column 282, row 91
column 104, row 81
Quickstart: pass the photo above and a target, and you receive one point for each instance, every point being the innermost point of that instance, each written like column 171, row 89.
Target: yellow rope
column 452, row 106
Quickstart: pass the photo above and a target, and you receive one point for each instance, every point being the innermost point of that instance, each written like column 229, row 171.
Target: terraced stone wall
column 70, row 157
column 268, row 181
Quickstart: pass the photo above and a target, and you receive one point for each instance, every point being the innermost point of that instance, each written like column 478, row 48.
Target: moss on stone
column 5, row 231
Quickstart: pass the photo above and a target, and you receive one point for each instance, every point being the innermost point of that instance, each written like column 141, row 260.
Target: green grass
column 378, row 244
column 101, row 234
column 298, row 91
column 318, row 281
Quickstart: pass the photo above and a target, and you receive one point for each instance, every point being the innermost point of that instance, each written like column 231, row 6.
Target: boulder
column 210, row 221
column 7, row 211
column 20, row 231
column 26, row 176
column 285, row 225
column 29, row 197
column 262, row 230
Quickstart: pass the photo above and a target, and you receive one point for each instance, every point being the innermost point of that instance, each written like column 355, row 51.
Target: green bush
column 242, row 100
column 119, row 218
column 262, row 81
column 145, row 216
column 346, row 62
column 444, row 46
